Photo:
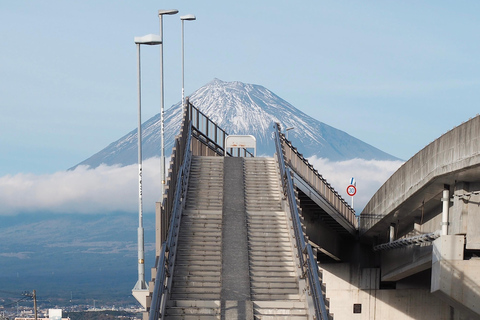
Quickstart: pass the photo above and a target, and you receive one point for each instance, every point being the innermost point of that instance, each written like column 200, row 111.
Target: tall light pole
column 140, row 289
column 286, row 131
column 188, row 17
column 162, row 101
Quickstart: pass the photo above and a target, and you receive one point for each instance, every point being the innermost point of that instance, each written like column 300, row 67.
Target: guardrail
column 210, row 135
column 305, row 251
column 174, row 195
column 310, row 175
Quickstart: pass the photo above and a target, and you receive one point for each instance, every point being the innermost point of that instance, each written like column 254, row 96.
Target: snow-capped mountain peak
column 241, row 108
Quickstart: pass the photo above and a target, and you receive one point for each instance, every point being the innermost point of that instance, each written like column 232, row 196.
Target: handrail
column 312, row 177
column 159, row 286
column 167, row 256
column 308, row 261
column 209, row 133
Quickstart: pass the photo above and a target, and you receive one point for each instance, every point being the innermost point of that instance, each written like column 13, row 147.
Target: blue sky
column 395, row 74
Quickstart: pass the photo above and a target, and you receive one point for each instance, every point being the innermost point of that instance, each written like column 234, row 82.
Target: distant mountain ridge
column 241, row 108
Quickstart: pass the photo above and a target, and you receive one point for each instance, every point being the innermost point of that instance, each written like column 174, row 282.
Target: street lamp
column 188, row 17
column 162, row 99
column 286, row 131
column 140, row 289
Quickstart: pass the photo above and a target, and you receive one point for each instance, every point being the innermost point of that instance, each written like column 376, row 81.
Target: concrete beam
column 400, row 263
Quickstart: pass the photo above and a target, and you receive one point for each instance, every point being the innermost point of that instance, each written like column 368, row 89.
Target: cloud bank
column 83, row 190
column 369, row 176
column 114, row 188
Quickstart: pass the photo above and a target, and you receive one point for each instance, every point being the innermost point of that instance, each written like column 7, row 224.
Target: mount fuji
column 241, row 108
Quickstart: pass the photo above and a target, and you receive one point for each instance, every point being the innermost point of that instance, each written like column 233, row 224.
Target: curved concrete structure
column 434, row 195
column 453, row 157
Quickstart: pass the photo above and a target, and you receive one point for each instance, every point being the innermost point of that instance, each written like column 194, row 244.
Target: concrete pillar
column 446, row 204
column 392, row 232
column 458, row 212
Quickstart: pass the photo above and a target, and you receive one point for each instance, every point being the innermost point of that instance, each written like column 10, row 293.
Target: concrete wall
column 455, row 150
column 347, row 285
column 453, row 279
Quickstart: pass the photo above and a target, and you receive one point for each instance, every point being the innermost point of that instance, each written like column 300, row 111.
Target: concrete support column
column 392, row 232
column 446, row 204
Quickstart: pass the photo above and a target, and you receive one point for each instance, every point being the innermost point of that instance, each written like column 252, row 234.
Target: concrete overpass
column 425, row 220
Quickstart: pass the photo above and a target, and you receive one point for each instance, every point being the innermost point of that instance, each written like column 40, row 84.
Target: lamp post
column 188, row 17
column 162, row 101
column 286, row 131
column 141, row 286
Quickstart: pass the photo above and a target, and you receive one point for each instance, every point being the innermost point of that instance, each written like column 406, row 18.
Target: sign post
column 352, row 189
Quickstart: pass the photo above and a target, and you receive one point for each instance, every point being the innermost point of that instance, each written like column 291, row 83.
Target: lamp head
column 161, row 12
column 149, row 39
column 188, row 17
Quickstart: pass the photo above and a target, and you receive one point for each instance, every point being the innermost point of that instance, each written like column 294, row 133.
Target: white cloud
column 83, row 190
column 115, row 188
column 369, row 176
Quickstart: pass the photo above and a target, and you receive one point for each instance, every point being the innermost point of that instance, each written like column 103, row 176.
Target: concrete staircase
column 207, row 280
column 273, row 272
column 197, row 277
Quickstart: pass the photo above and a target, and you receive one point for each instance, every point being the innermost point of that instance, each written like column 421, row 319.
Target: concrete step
column 194, row 296
column 286, row 309
column 185, row 272
column 192, row 313
column 198, row 246
column 275, row 261
column 193, row 278
column 276, row 286
column 198, row 269
column 274, row 254
column 275, row 296
column 279, row 317
column 196, row 262
column 279, row 213
column 196, row 225
column 196, row 284
column 199, row 255
column 268, row 233
column 260, row 274
column 272, row 278
column 200, row 236
column 272, row 245
column 202, row 214
column 271, row 269
column 194, row 303
column 206, row 290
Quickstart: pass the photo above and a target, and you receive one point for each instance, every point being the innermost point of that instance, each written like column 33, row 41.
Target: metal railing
column 307, row 259
column 173, row 205
column 210, row 135
column 312, row 177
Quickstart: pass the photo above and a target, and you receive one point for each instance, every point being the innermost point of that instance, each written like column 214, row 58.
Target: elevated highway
column 425, row 219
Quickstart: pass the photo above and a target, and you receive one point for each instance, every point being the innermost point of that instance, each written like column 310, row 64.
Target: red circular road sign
column 351, row 190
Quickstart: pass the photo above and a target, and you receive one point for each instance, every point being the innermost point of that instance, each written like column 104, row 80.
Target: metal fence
column 209, row 137
column 310, row 175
